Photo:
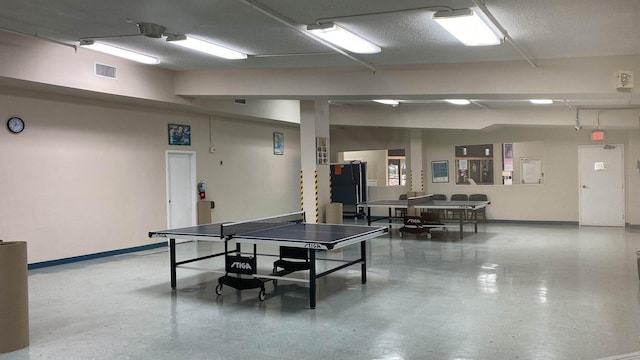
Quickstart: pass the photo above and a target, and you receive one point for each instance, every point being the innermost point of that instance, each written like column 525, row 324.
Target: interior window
column 384, row 167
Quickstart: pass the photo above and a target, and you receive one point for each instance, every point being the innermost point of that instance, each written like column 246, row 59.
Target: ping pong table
column 288, row 230
column 426, row 202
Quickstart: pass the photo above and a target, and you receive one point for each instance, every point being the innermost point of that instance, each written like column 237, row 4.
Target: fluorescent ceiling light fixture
column 541, row 101
column 458, row 101
column 387, row 102
column 467, row 27
column 205, row 47
column 342, row 38
column 116, row 51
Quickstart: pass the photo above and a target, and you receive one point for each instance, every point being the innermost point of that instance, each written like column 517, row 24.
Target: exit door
column 602, row 185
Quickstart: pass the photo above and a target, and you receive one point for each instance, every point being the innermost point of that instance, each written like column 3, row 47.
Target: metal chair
column 401, row 212
column 480, row 197
column 461, row 213
column 441, row 213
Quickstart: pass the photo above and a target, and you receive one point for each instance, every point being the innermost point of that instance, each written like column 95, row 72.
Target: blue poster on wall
column 179, row 134
column 440, row 171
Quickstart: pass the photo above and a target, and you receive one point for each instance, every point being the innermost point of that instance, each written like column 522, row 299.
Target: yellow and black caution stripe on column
column 316, row 187
column 421, row 180
column 410, row 179
column 330, row 189
column 301, row 193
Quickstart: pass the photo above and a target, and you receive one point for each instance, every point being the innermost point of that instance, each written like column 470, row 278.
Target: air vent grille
column 105, row 71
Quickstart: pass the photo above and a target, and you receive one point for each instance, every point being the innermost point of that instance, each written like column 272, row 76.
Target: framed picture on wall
column 278, row 143
column 179, row 134
column 322, row 150
column 440, row 171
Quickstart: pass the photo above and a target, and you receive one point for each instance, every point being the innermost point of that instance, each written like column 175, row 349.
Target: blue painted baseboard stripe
column 95, row 256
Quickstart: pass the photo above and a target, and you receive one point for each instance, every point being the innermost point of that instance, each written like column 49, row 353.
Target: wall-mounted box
column 624, row 79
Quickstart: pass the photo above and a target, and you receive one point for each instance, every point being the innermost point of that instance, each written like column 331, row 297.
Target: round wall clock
column 15, row 125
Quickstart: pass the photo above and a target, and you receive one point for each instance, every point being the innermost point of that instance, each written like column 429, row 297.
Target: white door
column 602, row 185
column 181, row 189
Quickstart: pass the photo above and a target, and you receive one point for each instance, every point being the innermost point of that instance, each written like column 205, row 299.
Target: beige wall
column 555, row 200
column 252, row 181
column 362, row 138
column 24, row 58
column 86, row 177
column 376, row 160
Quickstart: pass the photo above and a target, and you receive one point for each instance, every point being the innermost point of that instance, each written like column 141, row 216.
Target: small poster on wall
column 322, row 150
column 507, row 164
column 179, row 134
column 278, row 143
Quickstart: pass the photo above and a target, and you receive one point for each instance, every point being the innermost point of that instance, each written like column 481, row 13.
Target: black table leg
column 475, row 220
column 312, row 278
column 172, row 257
column 461, row 224
column 363, row 258
column 368, row 216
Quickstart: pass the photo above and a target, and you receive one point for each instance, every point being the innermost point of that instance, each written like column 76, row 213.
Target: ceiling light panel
column 541, row 101
column 387, row 102
column 206, row 47
column 469, row 28
column 345, row 39
column 458, row 101
column 116, row 51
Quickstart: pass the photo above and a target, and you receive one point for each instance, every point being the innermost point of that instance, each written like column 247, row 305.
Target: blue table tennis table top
column 318, row 236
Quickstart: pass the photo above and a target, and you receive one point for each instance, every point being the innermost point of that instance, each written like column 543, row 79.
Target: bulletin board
column 474, row 164
column 531, row 171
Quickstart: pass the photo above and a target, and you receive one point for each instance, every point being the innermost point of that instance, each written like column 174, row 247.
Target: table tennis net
column 417, row 200
column 248, row 226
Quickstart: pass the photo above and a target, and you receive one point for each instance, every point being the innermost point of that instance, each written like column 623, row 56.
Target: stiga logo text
column 241, row 265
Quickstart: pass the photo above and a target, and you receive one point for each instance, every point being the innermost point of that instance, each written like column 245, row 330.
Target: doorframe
column 622, row 176
column 193, row 182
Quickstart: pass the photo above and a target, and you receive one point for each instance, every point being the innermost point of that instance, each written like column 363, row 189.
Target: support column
column 417, row 172
column 632, row 183
column 314, row 123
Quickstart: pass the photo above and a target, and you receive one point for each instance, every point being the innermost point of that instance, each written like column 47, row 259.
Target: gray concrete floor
column 507, row 292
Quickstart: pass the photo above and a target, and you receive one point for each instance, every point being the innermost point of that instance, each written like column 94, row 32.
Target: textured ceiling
column 271, row 33
column 544, row 29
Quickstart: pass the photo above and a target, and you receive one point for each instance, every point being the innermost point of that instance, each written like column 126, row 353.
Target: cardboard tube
column 333, row 213
column 14, row 296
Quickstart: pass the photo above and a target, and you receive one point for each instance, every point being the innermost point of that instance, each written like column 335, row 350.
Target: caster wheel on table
column 428, row 236
column 445, row 229
column 219, row 289
column 262, row 295
column 400, row 233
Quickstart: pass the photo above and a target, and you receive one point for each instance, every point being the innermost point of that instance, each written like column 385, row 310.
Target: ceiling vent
column 151, row 30
column 105, row 71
